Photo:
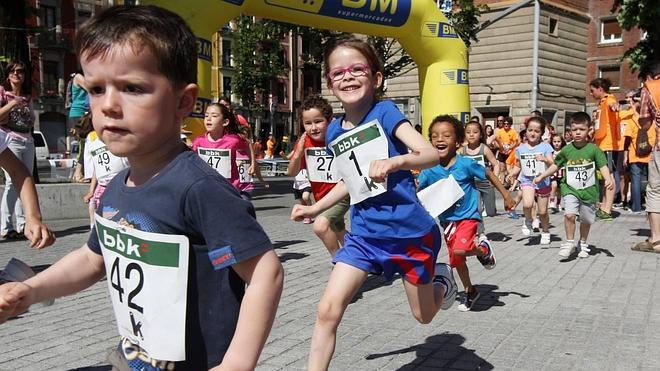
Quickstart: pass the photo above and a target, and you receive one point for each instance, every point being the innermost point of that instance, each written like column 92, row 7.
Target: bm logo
column 450, row 77
column 438, row 29
column 203, row 49
column 200, row 107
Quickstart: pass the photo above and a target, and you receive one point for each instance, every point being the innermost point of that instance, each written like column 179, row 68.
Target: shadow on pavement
column 371, row 283
column 442, row 352
column 282, row 244
column 265, row 208
column 73, row 230
column 644, row 232
column 292, row 256
column 491, row 298
column 498, row 236
column 593, row 251
column 93, row 368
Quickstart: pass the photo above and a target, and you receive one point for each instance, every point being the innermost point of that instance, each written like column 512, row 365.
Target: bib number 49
column 115, row 272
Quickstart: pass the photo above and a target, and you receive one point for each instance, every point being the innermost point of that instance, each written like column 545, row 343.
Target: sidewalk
column 535, row 312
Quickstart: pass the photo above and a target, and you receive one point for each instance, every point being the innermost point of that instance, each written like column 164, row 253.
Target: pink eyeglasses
column 356, row 70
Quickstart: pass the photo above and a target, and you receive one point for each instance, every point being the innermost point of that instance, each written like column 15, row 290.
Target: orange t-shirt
column 606, row 124
column 507, row 137
column 270, row 147
column 632, row 129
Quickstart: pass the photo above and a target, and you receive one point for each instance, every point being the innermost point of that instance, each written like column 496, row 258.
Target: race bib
column 319, row 166
column 478, row 158
column 218, row 159
column 581, row 176
column 597, row 120
column 147, row 275
column 354, row 152
column 531, row 167
column 106, row 165
column 244, row 171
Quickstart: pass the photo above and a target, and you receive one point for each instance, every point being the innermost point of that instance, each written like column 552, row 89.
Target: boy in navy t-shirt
column 174, row 239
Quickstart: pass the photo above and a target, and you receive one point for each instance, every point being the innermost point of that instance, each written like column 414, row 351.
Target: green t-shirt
column 580, row 166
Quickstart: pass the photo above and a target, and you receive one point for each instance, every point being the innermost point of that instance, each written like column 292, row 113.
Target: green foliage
column 466, row 20
column 643, row 14
column 257, row 58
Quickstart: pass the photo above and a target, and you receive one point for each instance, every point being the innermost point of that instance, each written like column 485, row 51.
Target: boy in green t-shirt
column 579, row 186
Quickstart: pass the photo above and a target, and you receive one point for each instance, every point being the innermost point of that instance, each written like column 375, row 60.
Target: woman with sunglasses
column 17, row 121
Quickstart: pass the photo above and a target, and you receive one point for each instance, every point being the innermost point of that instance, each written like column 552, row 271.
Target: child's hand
column 509, row 203
column 300, row 145
column 87, row 197
column 378, row 169
column 38, row 234
column 15, row 298
column 537, row 179
column 609, row 185
column 540, row 157
column 300, row 212
column 251, row 169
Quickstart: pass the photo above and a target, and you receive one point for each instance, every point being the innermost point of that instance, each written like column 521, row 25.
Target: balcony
column 54, row 40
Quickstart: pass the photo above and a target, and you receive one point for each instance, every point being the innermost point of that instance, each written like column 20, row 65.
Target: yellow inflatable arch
column 420, row 27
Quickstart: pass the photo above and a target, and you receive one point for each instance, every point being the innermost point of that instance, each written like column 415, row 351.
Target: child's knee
column 321, row 226
column 570, row 218
column 330, row 312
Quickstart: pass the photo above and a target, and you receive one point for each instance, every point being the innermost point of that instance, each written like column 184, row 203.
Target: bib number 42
column 115, row 273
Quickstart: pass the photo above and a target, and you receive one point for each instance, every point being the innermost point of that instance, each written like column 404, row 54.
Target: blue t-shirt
column 79, row 101
column 466, row 171
column 396, row 213
column 189, row 198
column 543, row 148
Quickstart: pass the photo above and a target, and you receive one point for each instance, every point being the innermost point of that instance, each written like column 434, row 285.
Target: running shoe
column 584, row 250
column 308, row 221
column 545, row 238
column 445, row 278
column 536, row 224
column 566, row 249
column 513, row 215
column 487, row 260
column 526, row 228
column 467, row 300
column 606, row 217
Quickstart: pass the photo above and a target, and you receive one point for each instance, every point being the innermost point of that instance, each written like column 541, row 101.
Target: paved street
column 536, row 312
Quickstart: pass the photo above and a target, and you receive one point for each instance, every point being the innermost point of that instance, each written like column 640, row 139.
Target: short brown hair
column 165, row 33
column 318, row 102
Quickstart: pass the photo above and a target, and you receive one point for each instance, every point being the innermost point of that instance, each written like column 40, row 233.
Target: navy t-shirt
column 189, row 198
column 396, row 213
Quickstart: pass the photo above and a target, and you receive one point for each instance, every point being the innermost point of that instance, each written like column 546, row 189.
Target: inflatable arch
column 421, row 28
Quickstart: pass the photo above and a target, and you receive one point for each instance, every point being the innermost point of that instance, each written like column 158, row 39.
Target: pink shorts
column 98, row 192
column 539, row 192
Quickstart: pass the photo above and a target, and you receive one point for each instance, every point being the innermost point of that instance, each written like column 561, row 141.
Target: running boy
column 460, row 222
column 315, row 115
column 391, row 232
column 579, row 188
column 170, row 228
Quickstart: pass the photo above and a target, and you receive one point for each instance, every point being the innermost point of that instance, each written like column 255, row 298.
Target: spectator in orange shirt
column 607, row 136
column 638, row 164
column 270, row 148
column 507, row 141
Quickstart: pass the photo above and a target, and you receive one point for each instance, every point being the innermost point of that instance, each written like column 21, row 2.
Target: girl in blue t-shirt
column 460, row 221
column 533, row 158
column 374, row 148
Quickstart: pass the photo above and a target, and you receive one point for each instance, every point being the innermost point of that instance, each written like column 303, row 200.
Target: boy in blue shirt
column 460, row 221
column 175, row 240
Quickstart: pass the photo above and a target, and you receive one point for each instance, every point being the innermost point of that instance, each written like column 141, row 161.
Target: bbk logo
column 120, row 243
column 348, row 144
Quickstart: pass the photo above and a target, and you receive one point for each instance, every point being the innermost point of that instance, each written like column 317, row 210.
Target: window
column 82, row 16
column 226, row 53
column 49, row 20
column 611, row 73
column 226, row 86
column 610, row 31
column 51, row 75
column 281, row 93
column 553, row 27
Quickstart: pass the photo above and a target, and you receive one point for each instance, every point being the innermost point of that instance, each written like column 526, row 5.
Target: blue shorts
column 412, row 258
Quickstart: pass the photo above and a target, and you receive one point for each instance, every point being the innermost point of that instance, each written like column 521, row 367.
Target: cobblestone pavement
column 536, row 312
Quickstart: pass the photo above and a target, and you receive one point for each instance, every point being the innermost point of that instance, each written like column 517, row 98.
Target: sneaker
column 487, row 260
column 566, row 249
column 526, row 230
column 513, row 215
column 445, row 277
column 584, row 250
column 467, row 300
column 545, row 238
column 606, row 217
column 536, row 224
column 617, row 205
column 484, row 213
column 307, row 221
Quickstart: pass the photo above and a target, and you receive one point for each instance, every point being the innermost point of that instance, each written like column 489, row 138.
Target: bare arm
column 39, row 235
column 492, row 160
column 92, row 188
column 4, row 110
column 509, row 203
column 551, row 170
column 264, row 276
column 296, row 156
column 421, row 156
column 336, row 194
column 76, row 271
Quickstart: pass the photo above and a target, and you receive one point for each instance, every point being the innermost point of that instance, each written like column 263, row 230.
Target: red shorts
column 98, row 192
column 460, row 235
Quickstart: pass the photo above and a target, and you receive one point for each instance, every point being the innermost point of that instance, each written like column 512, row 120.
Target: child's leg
column 91, row 208
column 528, row 204
column 542, row 206
column 424, row 300
column 331, row 239
column 553, row 194
column 344, row 282
column 306, row 197
column 569, row 226
column 584, row 231
column 464, row 275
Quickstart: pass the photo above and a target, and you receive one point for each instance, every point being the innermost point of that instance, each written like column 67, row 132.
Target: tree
column 643, row 14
